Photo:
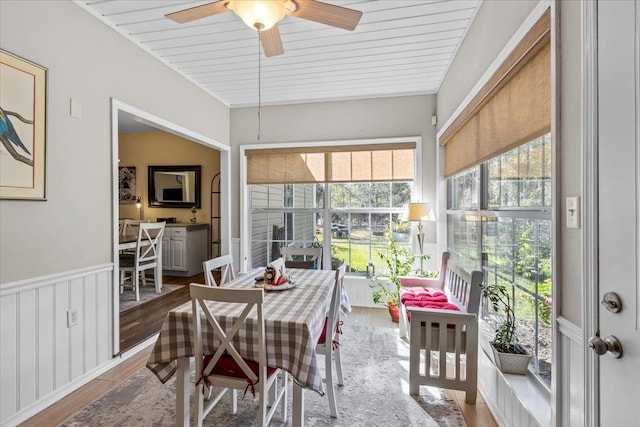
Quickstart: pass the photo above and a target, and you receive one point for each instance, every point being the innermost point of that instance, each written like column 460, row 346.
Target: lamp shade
column 261, row 15
column 421, row 212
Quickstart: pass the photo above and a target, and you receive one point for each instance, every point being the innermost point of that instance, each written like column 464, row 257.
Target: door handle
column 609, row 345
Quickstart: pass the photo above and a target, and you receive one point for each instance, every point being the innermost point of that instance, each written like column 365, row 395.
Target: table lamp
column 139, row 206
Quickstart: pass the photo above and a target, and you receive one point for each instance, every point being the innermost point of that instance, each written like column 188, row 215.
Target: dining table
column 127, row 241
column 294, row 316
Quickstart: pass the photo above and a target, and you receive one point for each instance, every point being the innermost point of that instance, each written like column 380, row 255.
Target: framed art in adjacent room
column 23, row 118
column 126, row 184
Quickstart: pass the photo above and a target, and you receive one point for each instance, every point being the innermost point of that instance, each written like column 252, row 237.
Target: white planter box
column 511, row 363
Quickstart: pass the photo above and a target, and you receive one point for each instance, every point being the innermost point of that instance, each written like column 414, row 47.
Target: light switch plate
column 573, row 212
column 76, row 109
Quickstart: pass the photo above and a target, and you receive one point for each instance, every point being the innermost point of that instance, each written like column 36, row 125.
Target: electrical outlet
column 72, row 317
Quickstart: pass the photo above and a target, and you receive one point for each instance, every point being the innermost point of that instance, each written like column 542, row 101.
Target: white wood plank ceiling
column 400, row 47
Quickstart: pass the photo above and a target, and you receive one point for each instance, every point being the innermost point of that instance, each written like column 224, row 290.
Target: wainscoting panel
column 359, row 292
column 8, row 357
column 40, row 356
column 502, row 398
column 46, row 339
column 516, row 400
column 573, row 374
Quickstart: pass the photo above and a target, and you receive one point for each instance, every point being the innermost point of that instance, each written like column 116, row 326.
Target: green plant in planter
column 398, row 262
column 401, row 227
column 504, row 340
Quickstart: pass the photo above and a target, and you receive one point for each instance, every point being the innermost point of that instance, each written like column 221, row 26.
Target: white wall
column 57, row 255
column 330, row 121
column 570, row 153
column 91, row 63
column 493, row 26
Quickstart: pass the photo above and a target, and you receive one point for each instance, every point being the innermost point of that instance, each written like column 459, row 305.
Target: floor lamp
column 421, row 212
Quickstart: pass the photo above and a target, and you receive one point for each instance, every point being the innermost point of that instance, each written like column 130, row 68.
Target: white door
column 619, row 209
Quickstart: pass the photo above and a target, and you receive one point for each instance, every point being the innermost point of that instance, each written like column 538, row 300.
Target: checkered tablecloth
column 293, row 323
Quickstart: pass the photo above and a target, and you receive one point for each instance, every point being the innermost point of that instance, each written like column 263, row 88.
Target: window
column 360, row 213
column 499, row 219
column 358, row 192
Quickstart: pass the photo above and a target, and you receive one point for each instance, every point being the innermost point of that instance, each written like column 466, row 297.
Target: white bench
column 446, row 353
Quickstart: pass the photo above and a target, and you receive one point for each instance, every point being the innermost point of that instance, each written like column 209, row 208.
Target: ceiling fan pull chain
column 259, row 89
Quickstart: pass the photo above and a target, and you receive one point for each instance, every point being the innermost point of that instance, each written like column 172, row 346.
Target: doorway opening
column 141, row 139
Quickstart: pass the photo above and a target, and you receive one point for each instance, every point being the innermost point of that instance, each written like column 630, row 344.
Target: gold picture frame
column 23, row 118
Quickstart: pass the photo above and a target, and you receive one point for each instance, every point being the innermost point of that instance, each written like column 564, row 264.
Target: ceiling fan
column 264, row 15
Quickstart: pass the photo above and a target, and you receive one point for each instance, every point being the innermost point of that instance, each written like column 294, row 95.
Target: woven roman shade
column 344, row 163
column 512, row 108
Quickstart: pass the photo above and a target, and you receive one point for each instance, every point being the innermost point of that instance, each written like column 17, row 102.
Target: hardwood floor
column 477, row 415
column 140, row 322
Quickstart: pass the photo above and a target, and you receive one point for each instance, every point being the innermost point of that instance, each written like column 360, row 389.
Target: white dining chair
column 225, row 264
column 302, row 257
column 329, row 342
column 130, row 226
column 147, row 256
column 224, row 367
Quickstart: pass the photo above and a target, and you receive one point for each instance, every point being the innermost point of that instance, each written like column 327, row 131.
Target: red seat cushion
column 425, row 297
column 227, row 366
column 323, row 335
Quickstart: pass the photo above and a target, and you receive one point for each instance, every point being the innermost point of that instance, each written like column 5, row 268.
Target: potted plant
column 509, row 356
column 400, row 229
column 398, row 262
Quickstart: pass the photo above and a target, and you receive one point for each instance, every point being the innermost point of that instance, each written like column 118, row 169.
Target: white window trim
column 244, row 193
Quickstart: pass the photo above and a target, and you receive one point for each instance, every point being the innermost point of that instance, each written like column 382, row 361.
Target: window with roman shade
column 499, row 156
column 339, row 197
column 511, row 109
column 331, row 164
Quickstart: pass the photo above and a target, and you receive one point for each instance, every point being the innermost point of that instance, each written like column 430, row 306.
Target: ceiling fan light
column 261, row 15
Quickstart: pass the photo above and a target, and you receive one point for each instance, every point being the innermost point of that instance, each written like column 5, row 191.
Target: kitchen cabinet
column 184, row 249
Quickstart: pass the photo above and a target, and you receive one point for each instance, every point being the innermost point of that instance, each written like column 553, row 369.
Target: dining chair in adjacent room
column 302, row 257
column 225, row 264
column 223, row 367
column 130, row 226
column 329, row 342
column 147, row 256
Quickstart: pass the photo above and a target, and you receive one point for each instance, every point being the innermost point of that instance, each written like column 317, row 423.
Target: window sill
column 532, row 395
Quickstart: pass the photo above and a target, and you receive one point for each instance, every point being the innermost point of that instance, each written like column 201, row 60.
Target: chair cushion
column 227, row 366
column 127, row 260
column 323, row 334
column 425, row 297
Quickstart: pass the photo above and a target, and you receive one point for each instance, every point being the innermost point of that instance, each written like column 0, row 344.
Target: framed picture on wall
column 127, row 184
column 23, row 116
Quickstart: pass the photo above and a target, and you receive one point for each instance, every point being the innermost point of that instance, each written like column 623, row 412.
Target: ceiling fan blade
column 271, row 42
column 329, row 14
column 197, row 12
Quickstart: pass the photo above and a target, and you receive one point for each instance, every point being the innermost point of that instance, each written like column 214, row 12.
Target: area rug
column 147, row 293
column 375, row 393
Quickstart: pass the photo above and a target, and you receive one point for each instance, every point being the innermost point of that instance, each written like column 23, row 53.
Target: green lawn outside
column 359, row 243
